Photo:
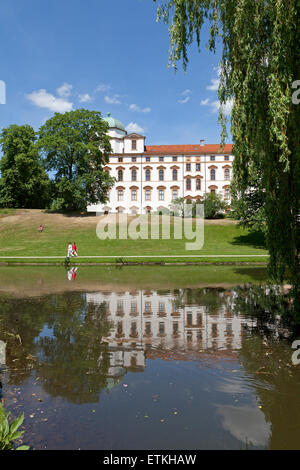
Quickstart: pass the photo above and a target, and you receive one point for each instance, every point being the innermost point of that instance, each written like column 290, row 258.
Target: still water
column 125, row 367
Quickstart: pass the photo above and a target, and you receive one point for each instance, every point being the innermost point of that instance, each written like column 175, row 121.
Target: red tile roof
column 187, row 149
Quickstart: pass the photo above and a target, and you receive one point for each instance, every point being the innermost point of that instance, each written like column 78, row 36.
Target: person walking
column 70, row 250
column 74, row 249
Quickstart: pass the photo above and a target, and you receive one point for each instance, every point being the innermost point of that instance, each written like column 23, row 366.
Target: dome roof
column 112, row 122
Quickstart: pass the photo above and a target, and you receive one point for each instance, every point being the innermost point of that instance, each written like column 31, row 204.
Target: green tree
column 75, row 148
column 260, row 63
column 248, row 206
column 24, row 183
column 214, row 206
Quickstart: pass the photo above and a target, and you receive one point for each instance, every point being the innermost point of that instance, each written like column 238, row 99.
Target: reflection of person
column 74, row 249
column 70, row 249
column 41, row 228
column 72, row 274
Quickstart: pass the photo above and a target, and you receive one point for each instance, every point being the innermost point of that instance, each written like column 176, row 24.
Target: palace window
column 133, row 175
column 120, row 159
column 147, row 307
column 133, row 145
column 174, row 194
column 148, row 159
column 120, row 195
column 161, row 195
column 226, row 157
column 133, row 195
column 174, row 159
column 120, row 175
column 227, row 174
column 161, row 159
column 213, row 191
column 133, row 306
column 175, row 328
column 212, row 174
column 161, row 175
column 198, row 184
column 212, row 158
column 188, row 167
column 148, row 328
column 148, row 195
column 133, row 159
column 197, row 166
column 161, row 328
column 175, row 175
column 148, row 175
column 161, row 307
column 188, row 184
column 227, row 194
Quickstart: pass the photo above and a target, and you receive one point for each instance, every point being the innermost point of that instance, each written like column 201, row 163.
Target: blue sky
column 109, row 56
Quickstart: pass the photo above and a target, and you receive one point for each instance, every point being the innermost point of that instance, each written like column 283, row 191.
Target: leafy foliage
column 75, row 148
column 23, row 183
column 260, row 62
column 214, row 206
column 9, row 431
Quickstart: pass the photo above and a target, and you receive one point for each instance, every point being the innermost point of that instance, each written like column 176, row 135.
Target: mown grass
column 21, row 238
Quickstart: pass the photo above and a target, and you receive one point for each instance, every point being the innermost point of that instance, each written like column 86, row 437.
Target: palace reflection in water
column 152, row 324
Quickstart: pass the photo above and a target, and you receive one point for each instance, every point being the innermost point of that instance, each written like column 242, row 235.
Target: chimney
column 202, row 143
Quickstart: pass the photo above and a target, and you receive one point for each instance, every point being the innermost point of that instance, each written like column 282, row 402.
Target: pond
column 96, row 360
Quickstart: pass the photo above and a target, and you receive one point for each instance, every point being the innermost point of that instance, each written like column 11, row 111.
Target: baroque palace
column 150, row 177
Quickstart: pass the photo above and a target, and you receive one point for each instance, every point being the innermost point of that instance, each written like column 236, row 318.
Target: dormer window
column 133, row 144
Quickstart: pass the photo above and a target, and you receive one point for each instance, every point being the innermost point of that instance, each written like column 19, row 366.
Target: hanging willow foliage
column 259, row 64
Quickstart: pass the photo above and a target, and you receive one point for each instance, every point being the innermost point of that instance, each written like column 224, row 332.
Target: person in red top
column 74, row 249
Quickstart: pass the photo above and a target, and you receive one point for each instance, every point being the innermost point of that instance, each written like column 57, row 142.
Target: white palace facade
column 149, row 177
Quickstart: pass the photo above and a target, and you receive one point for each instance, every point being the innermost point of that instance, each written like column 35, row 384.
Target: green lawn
column 19, row 237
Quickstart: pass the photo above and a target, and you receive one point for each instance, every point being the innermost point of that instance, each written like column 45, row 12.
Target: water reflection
column 187, row 368
column 154, row 324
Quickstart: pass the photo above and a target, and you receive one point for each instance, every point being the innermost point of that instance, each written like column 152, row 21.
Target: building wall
column 140, row 195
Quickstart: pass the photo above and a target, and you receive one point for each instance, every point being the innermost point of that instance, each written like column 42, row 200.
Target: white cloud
column 186, row 92
column 184, row 100
column 204, row 102
column 102, row 87
column 214, row 84
column 43, row 99
column 85, row 98
column 134, row 127
column 112, row 99
column 138, row 109
column 226, row 108
column 215, row 106
column 65, row 90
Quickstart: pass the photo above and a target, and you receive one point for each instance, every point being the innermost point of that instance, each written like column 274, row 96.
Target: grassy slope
column 19, row 237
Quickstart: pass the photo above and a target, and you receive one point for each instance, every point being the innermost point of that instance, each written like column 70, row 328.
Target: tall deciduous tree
column 259, row 67
column 24, row 183
column 75, row 149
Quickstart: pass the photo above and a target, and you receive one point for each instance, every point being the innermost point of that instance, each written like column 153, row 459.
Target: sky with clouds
column 61, row 55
